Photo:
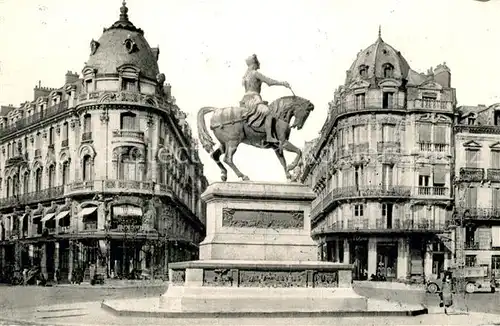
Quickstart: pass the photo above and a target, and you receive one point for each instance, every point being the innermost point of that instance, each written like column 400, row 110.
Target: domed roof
column 378, row 61
column 121, row 44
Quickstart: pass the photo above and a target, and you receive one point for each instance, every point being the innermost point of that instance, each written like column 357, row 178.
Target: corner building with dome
column 382, row 169
column 102, row 175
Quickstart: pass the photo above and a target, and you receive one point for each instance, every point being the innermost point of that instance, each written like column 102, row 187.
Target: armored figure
column 252, row 82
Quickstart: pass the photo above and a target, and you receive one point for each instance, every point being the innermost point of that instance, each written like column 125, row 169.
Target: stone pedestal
column 258, row 221
column 258, row 257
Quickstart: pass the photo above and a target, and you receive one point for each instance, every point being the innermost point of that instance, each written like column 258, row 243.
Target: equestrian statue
column 254, row 122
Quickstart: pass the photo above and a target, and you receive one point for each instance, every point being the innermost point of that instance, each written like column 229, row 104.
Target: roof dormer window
column 363, row 71
column 471, row 121
column 129, row 85
column 388, row 70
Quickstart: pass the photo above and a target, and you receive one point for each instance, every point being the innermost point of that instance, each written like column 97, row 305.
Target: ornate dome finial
column 124, row 11
column 379, row 31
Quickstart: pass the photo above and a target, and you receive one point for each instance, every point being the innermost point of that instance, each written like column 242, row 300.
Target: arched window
column 388, row 70
column 15, row 185
column 38, row 179
column 52, row 176
column 26, row 182
column 65, row 173
column 128, row 121
column 87, row 168
column 129, row 166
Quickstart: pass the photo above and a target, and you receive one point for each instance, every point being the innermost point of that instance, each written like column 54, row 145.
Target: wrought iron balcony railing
column 478, row 213
column 134, row 134
column 471, row 174
column 381, row 225
column 493, row 175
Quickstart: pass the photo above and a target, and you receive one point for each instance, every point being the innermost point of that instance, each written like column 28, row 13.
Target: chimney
column 40, row 91
column 71, row 77
column 442, row 75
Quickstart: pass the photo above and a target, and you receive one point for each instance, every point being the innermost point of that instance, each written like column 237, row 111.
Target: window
column 470, row 260
column 26, row 182
column 388, row 133
column 471, row 197
column 387, row 176
column 128, row 121
column 387, row 100
column 358, row 210
column 363, row 71
column 358, row 176
column 387, row 214
column 495, row 262
column 439, row 177
column 38, row 141
column 359, row 134
column 87, row 123
column 359, row 101
column 87, row 168
column 52, row 176
column 51, row 136
column 8, row 181
column 9, row 149
column 471, row 158
column 88, row 86
column 129, row 85
column 388, row 71
column 129, row 167
column 38, row 180
column 65, row 131
column 440, row 134
column 65, row 173
column 25, row 144
column 495, row 159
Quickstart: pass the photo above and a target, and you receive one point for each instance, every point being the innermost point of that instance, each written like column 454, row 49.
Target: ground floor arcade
column 401, row 257
column 65, row 259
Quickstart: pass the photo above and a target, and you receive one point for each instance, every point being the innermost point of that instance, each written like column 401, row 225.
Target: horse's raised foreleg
column 228, row 159
column 281, row 157
column 216, row 157
column 287, row 146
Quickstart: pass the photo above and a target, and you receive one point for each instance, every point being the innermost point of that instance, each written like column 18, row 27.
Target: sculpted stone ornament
column 254, row 123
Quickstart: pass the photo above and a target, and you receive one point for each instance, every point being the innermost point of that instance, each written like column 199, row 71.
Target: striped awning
column 48, row 217
column 87, row 211
column 127, row 210
column 61, row 215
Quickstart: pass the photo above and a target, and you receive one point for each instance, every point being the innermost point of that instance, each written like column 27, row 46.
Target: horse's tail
column 205, row 138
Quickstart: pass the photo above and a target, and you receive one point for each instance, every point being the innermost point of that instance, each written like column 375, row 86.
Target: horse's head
column 293, row 106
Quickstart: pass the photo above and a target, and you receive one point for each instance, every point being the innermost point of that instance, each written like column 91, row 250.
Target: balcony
column 384, row 191
column 35, row 118
column 17, row 159
column 388, row 147
column 128, row 136
column 33, row 197
column 368, row 105
column 405, row 226
column 471, row 174
column 433, row 191
column 433, row 147
column 87, row 136
column 124, row 97
column 478, row 213
column 493, row 175
column 118, row 186
column 427, row 104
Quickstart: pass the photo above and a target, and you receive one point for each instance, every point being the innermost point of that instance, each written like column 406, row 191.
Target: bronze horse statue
column 230, row 126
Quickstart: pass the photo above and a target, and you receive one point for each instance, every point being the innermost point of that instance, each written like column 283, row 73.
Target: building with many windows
column 382, row 168
column 477, row 195
column 103, row 171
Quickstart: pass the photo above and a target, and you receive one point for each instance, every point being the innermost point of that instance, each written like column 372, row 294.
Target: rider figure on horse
column 252, row 81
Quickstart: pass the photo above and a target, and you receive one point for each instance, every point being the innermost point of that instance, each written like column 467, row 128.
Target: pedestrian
column 447, row 292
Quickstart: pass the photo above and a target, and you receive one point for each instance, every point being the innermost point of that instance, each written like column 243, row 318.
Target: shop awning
column 48, row 217
column 126, row 211
column 87, row 211
column 61, row 215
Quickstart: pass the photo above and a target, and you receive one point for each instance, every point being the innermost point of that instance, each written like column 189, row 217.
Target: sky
column 203, row 46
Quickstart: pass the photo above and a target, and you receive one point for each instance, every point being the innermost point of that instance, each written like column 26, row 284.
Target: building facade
column 477, row 199
column 382, row 168
column 101, row 171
